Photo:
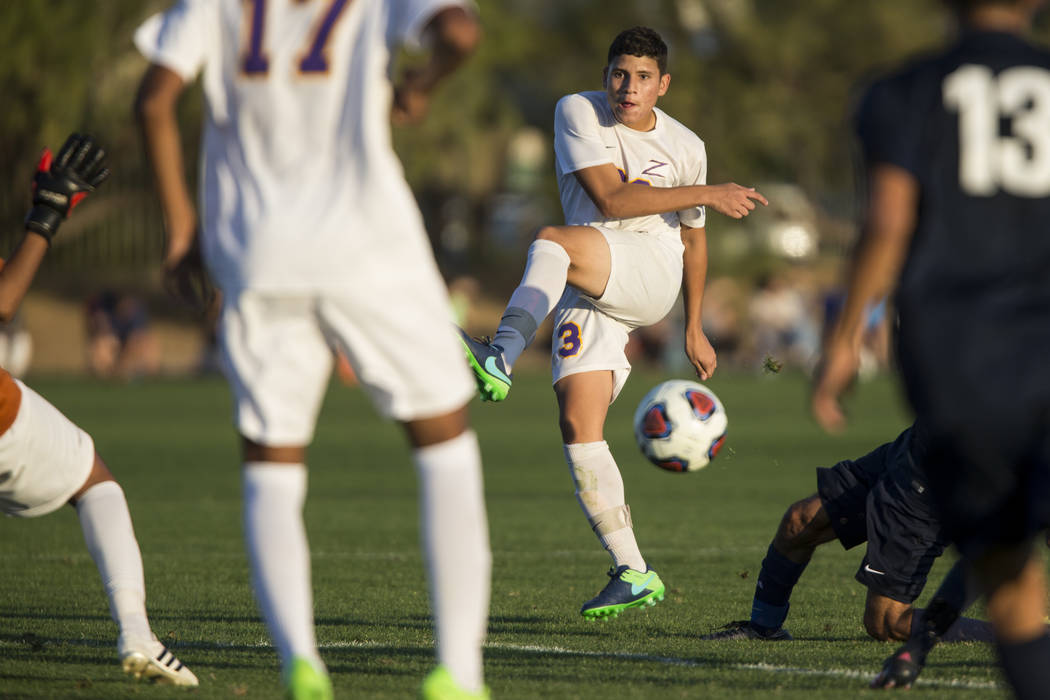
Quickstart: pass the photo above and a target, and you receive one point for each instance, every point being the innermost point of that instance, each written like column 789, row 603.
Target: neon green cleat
column 439, row 685
column 486, row 361
column 627, row 589
column 304, row 681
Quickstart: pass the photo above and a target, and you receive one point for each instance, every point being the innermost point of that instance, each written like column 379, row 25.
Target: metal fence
column 117, row 234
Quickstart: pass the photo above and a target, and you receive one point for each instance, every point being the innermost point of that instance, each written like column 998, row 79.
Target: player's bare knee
column 549, row 233
column 437, row 429
column 875, row 625
column 888, row 624
column 570, row 429
column 252, row 451
column 794, row 526
column 99, row 473
column 900, row 627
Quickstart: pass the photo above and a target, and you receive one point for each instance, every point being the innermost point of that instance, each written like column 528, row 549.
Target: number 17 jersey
column 299, row 182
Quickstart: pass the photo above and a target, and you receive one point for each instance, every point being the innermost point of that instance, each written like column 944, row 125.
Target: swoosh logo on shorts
column 638, row 588
column 491, row 368
column 867, row 567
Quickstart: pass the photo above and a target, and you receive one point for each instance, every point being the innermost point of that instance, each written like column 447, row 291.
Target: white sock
column 456, row 547
column 110, row 538
column 599, row 490
column 540, row 289
column 279, row 554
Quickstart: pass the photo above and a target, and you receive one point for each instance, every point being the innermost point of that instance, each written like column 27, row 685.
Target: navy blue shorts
column 986, row 414
column 882, row 499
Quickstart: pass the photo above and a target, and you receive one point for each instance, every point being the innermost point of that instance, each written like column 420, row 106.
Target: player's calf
column 803, row 528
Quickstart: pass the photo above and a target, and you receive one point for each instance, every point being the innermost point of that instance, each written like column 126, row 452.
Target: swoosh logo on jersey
column 867, row 567
column 650, row 170
column 491, row 368
column 637, row 588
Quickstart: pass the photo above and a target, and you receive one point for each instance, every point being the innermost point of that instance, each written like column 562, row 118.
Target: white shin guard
column 600, row 493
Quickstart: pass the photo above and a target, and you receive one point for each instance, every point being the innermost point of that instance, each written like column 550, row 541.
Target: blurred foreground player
column 957, row 154
column 46, row 460
column 317, row 243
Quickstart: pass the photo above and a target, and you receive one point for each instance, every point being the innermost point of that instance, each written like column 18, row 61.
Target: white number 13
column 1019, row 162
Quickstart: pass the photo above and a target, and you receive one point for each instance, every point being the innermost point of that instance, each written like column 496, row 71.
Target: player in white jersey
column 633, row 188
column 45, row 460
column 316, row 242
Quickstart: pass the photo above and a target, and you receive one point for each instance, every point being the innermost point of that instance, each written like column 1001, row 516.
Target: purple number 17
column 255, row 61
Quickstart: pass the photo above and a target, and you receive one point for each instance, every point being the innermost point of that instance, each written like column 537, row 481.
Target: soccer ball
column 680, row 425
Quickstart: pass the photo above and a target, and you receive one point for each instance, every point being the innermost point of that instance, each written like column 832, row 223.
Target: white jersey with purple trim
column 298, row 179
column 587, row 134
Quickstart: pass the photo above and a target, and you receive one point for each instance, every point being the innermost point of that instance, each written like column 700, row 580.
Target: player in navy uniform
column 882, row 499
column 956, row 148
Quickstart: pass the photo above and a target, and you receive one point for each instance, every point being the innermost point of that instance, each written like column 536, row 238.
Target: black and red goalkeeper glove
column 63, row 182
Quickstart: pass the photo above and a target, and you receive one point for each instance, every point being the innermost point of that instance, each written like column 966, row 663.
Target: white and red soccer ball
column 680, row 425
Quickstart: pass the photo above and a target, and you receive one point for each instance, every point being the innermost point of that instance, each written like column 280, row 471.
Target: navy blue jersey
column 972, row 124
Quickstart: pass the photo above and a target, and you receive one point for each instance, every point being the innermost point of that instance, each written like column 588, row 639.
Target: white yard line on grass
column 770, row 668
column 963, row 683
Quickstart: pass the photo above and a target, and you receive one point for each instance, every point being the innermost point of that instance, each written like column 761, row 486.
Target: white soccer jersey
column 587, row 134
column 299, row 180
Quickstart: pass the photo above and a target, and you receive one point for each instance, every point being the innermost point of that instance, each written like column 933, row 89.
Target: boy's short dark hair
column 640, row 41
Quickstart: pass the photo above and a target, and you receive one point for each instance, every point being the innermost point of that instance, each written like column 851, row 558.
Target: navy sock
column 773, row 590
column 1025, row 665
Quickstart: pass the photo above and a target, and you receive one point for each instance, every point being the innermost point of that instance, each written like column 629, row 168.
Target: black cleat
column 743, row 629
column 901, row 669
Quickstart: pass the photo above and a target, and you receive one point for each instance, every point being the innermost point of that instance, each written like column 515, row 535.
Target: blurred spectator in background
column 463, row 293
column 724, row 298
column 782, row 325
column 653, row 345
column 120, row 340
column 723, row 301
column 875, row 345
column 16, row 346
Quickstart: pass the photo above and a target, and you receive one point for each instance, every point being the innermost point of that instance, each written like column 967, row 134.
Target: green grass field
column 171, row 445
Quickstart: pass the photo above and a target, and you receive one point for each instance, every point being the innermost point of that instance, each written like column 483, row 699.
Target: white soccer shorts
column 44, row 458
column 591, row 334
column 399, row 338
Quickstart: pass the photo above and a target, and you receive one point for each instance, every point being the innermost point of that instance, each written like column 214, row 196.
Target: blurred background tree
column 767, row 84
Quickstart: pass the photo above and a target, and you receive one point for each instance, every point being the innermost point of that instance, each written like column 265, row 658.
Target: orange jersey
column 10, row 400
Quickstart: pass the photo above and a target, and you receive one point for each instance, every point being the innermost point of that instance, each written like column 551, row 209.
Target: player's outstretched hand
column 63, row 181
column 735, row 200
